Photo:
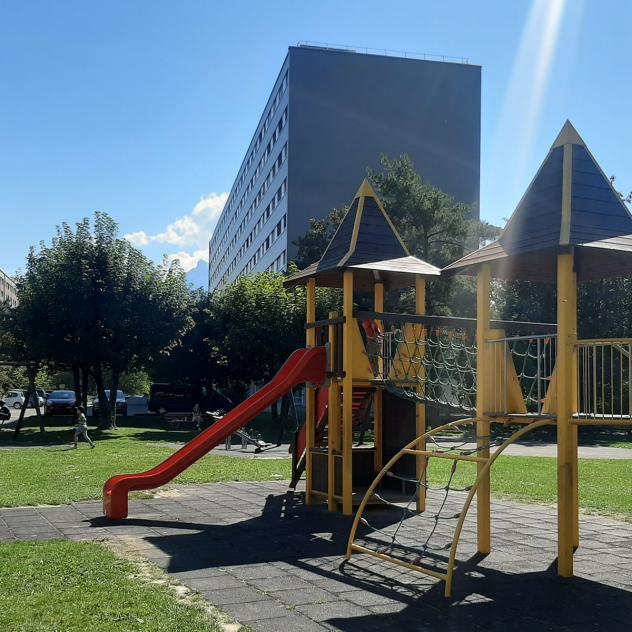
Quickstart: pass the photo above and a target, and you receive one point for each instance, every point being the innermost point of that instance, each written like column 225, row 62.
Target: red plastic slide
column 304, row 365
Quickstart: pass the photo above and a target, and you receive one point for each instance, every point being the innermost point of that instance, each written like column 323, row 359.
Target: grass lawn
column 58, row 475
column 605, row 486
column 78, row 586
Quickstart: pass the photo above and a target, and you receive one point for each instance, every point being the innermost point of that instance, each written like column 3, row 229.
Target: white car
column 14, row 399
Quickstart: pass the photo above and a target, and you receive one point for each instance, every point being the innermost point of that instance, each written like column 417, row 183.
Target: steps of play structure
column 359, row 403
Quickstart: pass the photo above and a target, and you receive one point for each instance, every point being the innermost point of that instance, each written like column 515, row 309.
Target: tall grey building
column 8, row 290
column 330, row 115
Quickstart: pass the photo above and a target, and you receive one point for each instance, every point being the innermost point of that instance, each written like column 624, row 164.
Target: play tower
column 366, row 255
column 569, row 227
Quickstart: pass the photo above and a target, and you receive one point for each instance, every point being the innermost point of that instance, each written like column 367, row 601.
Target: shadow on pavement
column 312, row 541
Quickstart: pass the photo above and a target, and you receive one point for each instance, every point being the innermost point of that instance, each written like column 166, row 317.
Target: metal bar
column 427, row 571
column 526, row 337
column 599, row 341
column 446, row 455
column 629, row 380
column 459, row 322
column 325, row 322
column 538, row 376
column 604, row 421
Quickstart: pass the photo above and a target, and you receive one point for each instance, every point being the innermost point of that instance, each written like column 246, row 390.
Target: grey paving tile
column 332, row 610
column 235, row 595
column 256, row 611
column 215, row 582
column 283, row 582
column 302, row 596
column 290, row 623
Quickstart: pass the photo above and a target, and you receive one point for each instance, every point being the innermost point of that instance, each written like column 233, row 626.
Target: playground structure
column 570, row 225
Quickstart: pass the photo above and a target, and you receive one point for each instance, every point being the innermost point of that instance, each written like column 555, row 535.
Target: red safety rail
column 304, row 365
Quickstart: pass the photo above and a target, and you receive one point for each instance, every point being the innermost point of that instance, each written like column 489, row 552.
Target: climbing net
column 424, row 539
column 435, row 364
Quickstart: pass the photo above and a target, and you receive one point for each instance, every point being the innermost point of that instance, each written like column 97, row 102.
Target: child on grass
column 81, row 427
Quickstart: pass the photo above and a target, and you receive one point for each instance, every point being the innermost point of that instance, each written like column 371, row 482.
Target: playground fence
column 604, row 383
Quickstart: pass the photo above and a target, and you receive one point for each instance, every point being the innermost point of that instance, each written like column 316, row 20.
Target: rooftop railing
column 387, row 52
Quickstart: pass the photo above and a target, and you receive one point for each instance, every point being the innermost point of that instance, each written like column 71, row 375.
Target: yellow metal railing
column 604, row 381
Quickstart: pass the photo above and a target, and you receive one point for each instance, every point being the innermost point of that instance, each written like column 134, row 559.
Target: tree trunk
column 32, row 373
column 77, row 383
column 113, row 391
column 29, row 390
column 104, row 404
column 85, row 374
column 274, row 410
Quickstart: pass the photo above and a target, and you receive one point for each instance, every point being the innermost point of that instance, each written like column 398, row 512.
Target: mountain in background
column 198, row 277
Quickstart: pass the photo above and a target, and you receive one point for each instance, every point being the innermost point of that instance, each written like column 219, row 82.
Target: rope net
column 424, row 539
column 432, row 365
column 438, row 365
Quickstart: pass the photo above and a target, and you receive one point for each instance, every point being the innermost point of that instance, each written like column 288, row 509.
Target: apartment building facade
column 330, row 115
column 8, row 290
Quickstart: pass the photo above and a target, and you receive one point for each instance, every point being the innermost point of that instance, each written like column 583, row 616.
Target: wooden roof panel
column 600, row 227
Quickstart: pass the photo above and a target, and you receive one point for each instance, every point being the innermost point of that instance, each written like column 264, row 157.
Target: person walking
column 81, row 426
column 5, row 413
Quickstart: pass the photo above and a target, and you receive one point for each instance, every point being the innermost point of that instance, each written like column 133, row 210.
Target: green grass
column 78, row 586
column 605, row 486
column 57, row 475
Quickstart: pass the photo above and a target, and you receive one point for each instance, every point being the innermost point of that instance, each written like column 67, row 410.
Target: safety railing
column 430, row 359
column 604, row 379
column 521, row 370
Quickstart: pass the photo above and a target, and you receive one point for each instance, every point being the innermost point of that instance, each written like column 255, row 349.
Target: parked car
column 14, row 399
column 39, row 393
column 173, row 398
column 121, row 403
column 60, row 403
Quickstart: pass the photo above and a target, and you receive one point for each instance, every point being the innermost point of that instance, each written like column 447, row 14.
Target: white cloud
column 189, row 260
column 190, row 232
column 138, row 238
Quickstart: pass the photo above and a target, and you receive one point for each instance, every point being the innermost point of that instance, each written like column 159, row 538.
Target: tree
column 255, row 323
column 432, row 224
column 91, row 302
column 194, row 360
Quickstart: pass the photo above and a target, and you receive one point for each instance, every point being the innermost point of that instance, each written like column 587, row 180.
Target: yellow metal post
column 575, row 429
column 378, row 306
column 333, row 420
column 566, row 449
column 310, row 396
column 483, row 500
column 420, row 409
column 347, row 394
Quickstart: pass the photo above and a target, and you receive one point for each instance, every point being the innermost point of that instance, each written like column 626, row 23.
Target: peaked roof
column 570, row 204
column 366, row 240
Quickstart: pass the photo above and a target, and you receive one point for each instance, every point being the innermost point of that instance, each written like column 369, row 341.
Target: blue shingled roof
column 596, row 219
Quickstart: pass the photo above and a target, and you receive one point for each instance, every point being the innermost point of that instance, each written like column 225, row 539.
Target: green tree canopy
column 91, row 301
column 434, row 227
column 255, row 323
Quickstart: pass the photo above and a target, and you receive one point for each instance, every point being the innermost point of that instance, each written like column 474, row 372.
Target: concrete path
column 272, row 563
column 536, row 448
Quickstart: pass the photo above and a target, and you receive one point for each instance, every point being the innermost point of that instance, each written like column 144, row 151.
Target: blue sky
column 144, row 109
